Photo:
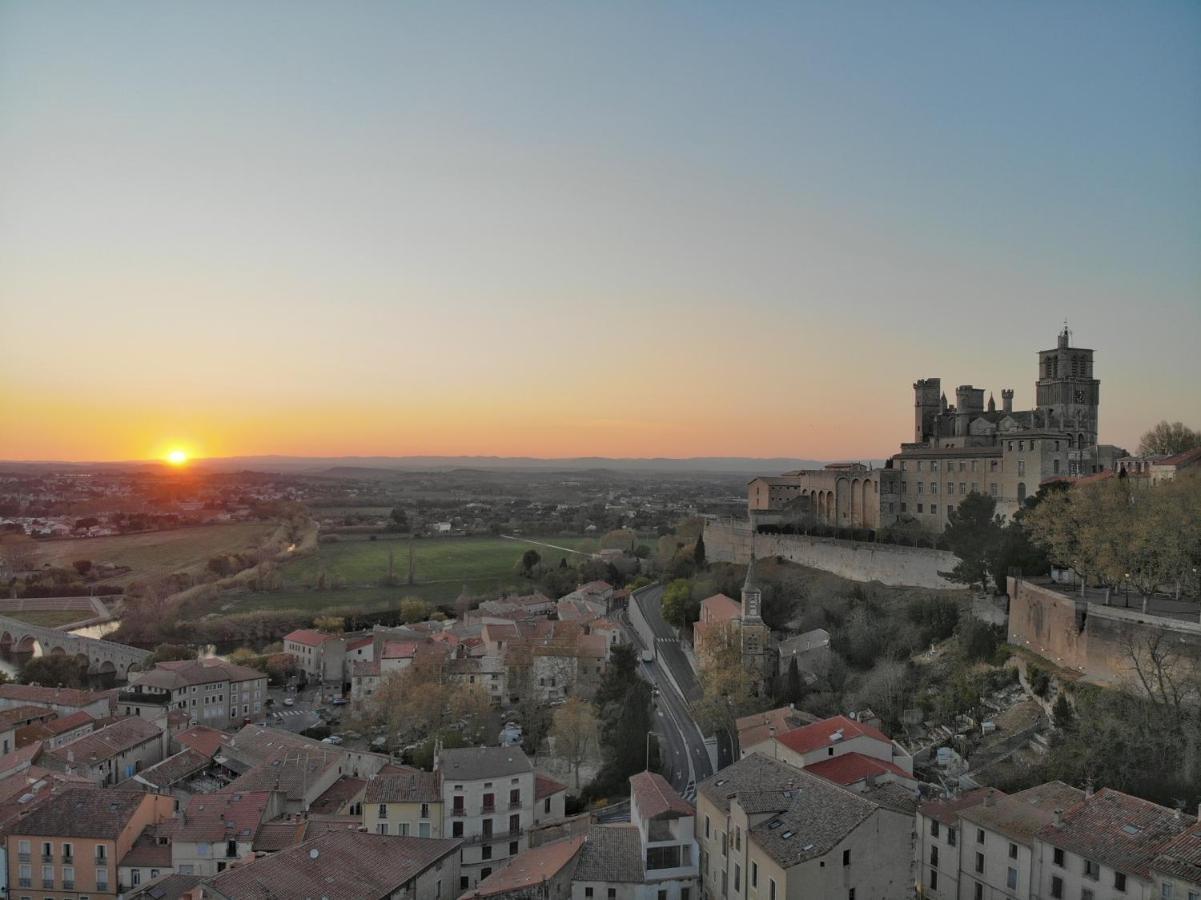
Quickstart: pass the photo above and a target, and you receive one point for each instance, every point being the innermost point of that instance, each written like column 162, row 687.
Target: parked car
column 332, row 739
column 338, row 701
column 288, row 701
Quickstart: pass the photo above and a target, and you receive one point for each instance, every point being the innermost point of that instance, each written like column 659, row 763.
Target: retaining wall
column 1091, row 638
column 732, row 540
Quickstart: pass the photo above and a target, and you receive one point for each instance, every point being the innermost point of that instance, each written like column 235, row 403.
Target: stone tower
column 754, row 633
column 927, row 404
column 1067, row 395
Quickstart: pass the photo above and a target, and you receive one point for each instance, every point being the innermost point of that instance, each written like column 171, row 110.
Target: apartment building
column 488, row 803
column 214, row 831
column 406, row 803
column 938, row 841
column 112, row 754
column 773, row 831
column 211, row 691
column 319, row 656
column 837, row 736
column 72, row 845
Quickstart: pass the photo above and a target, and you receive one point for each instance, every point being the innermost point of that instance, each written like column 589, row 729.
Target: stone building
column 957, row 449
column 745, row 620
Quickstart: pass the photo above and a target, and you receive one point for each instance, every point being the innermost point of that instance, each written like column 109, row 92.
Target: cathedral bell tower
column 754, row 633
column 1067, row 394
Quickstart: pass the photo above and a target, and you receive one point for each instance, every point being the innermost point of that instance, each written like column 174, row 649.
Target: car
column 288, row 701
column 338, row 701
column 332, row 739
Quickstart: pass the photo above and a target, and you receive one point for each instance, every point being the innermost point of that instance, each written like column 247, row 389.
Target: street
column 682, row 746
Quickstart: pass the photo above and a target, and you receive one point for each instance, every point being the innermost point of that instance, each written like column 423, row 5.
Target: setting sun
column 177, row 457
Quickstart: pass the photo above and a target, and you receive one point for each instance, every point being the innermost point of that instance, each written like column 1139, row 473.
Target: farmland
column 157, row 553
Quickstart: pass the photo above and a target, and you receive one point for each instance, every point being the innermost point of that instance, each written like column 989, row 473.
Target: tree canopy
column 1168, row 438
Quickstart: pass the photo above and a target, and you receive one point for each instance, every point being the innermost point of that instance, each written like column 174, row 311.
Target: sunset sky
column 622, row 229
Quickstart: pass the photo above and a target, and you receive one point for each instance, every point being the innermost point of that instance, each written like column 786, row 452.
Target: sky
column 621, row 229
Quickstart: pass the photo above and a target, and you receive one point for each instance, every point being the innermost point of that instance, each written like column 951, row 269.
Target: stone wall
column 1090, row 638
column 732, row 540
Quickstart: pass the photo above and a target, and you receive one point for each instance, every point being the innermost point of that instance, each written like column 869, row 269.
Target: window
column 754, row 874
column 1167, row 892
column 737, row 874
column 919, row 507
column 464, row 883
column 851, row 894
column 47, row 850
column 1057, row 856
column 381, row 828
column 611, row 893
column 1119, row 881
column 706, row 826
column 383, row 811
column 485, row 872
column 1013, row 851
column 934, row 879
column 933, row 509
column 684, row 893
column 456, row 829
column 486, row 852
column 979, row 892
column 962, row 488
column 933, row 828
column 101, row 852
column 1021, row 467
column 1011, row 878
column 1056, row 888
column 1087, row 894
column 425, row 810
column 952, row 832
column 771, row 889
column 846, row 857
column 1092, row 869
column 980, row 863
column 934, row 856
column 25, row 876
column 587, row 892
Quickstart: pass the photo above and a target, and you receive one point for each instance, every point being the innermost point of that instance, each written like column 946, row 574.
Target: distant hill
column 364, row 466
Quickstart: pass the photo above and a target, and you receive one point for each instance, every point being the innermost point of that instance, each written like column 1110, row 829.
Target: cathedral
column 746, row 620
column 957, row 449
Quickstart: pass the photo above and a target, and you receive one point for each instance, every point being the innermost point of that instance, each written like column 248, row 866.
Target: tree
column 1168, row 438
column 330, row 624
column 698, row 552
column 677, row 606
column 794, row 685
column 973, row 534
column 398, row 520
column 574, row 733
column 169, row 653
column 414, row 609
column 56, row 671
column 530, row 560
column 82, row 566
column 623, row 703
column 727, row 688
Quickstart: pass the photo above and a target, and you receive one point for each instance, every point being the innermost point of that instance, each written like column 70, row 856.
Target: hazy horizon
column 563, row 230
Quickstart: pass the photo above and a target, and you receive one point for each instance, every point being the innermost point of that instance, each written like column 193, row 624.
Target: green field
column 352, row 563
column 51, row 618
column 158, row 553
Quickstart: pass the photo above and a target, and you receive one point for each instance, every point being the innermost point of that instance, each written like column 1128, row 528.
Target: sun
column 177, row 457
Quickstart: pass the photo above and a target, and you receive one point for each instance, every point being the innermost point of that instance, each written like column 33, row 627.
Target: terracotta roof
column 821, row 734
column 175, row 769
column 1021, row 815
column 1179, row 459
column 227, row 816
column 68, row 722
column 278, row 835
column 611, row 853
column 19, row 759
column 20, row 715
column 820, row 816
column 309, row 637
column 33, row 693
column 122, row 735
column 363, row 641
column 203, row 739
column 531, row 868
column 1120, row 831
column 758, row 727
column 404, row 787
column 399, row 650
column 655, row 797
column 719, row 608
column 337, row 795
column 172, row 887
column 185, row 672
column 347, row 865
column 946, row 810
column 545, row 786
column 1181, row 856
column 755, row 773
column 147, row 851
column 850, row 768
column 82, row 813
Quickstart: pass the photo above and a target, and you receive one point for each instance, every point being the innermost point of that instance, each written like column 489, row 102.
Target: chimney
column 1059, row 817
column 990, row 797
column 1088, row 789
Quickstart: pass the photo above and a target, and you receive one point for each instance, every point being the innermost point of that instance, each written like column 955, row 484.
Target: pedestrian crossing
column 291, row 712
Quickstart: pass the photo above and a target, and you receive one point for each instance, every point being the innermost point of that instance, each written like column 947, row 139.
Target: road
column 682, row 746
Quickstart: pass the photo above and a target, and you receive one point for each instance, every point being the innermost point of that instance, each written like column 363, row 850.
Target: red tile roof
column 399, row 650
column 654, row 797
column 720, row 608
column 221, row 817
column 68, row 723
column 946, row 810
column 1181, row 857
column 203, row 739
column 821, row 734
column 309, row 637
column 531, row 868
column 851, row 768
column 545, row 786
column 360, row 642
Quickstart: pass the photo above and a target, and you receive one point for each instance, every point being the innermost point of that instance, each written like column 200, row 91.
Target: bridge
column 104, row 657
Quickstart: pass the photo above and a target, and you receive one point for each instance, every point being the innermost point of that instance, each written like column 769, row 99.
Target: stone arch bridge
column 104, row 657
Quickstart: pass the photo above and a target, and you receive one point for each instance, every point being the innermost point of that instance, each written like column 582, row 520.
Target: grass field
column 158, row 553
column 50, row 618
column 365, row 563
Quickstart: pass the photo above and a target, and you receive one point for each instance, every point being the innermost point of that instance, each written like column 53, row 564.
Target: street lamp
column 1126, row 581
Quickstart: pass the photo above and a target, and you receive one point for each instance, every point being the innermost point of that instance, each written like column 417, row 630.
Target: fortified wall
column 733, row 540
column 1092, row 639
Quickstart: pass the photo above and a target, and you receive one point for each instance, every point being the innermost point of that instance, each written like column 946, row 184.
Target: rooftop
column 545, row 786
column 227, row 816
column 851, row 768
column 474, row 763
column 82, row 812
column 186, row 672
column 820, row 816
column 203, row 739
column 1021, row 815
column 1117, row 830
column 654, row 797
column 755, row 773
column 308, row 637
column 947, row 809
column 1181, row 856
column 415, row 786
column 175, row 769
column 531, row 868
column 340, row 865
column 834, row 730
column 122, row 735
column 611, row 853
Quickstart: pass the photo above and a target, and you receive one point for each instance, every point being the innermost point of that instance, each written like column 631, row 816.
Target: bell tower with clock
column 1067, row 394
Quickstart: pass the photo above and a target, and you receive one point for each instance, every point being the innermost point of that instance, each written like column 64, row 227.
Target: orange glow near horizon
column 177, row 457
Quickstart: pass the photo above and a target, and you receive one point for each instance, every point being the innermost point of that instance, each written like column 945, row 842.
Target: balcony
column 68, row 885
column 493, row 837
column 47, row 857
column 48, row 884
column 487, row 808
column 514, row 804
column 26, row 882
